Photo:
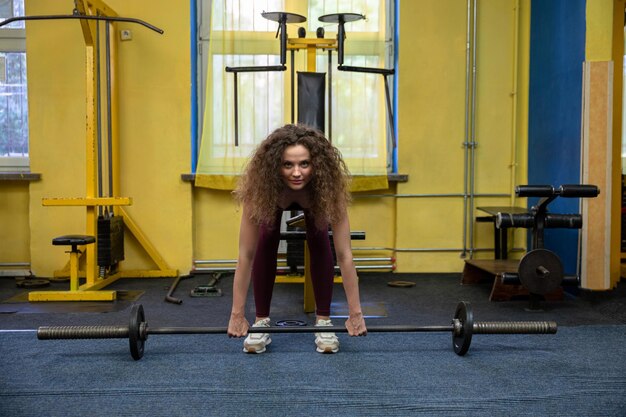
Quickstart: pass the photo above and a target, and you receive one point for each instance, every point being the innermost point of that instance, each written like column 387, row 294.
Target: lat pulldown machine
column 310, row 81
column 106, row 217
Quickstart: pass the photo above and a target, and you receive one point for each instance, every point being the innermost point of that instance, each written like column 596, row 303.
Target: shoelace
column 260, row 323
column 329, row 337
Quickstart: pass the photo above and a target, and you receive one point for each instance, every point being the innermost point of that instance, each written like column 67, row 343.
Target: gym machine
column 106, row 220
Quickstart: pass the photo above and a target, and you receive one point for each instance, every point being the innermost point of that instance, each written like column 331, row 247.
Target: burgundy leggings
column 264, row 266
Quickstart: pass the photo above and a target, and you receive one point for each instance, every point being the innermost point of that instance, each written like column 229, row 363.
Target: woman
column 295, row 167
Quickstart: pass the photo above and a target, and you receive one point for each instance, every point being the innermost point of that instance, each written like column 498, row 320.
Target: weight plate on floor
column 541, row 271
column 32, row 283
column 290, row 323
column 461, row 342
column 135, row 337
column 401, row 284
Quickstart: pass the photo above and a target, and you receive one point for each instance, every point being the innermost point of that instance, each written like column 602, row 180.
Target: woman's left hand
column 356, row 325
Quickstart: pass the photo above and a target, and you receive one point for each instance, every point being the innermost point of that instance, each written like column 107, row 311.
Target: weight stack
column 295, row 249
column 110, row 240
column 295, row 252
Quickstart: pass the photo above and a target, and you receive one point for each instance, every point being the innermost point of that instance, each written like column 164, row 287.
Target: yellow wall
column 14, row 222
column 432, row 125
column 186, row 223
column 599, row 30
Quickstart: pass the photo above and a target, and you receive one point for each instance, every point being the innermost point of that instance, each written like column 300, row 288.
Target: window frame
column 13, row 40
column 201, row 23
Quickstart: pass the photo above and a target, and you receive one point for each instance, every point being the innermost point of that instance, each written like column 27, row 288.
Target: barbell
column 462, row 329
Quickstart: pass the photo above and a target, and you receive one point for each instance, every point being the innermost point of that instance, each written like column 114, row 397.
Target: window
column 240, row 36
column 13, row 92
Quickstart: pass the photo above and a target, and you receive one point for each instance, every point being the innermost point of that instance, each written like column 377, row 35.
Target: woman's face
column 296, row 169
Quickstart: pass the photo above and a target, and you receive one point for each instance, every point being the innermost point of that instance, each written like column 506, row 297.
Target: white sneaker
column 256, row 342
column 326, row 342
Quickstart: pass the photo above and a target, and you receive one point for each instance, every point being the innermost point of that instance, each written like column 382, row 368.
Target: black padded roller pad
column 578, row 190
column 566, row 190
column 534, row 191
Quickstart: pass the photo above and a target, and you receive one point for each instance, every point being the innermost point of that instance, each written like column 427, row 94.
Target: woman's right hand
column 356, row 324
column 237, row 326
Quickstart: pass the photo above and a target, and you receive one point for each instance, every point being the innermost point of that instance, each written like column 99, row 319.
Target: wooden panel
column 596, row 169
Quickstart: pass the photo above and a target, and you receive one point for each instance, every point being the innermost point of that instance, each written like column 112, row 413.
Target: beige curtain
column 240, row 36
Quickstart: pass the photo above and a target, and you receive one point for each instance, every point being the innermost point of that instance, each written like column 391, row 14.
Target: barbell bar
column 462, row 328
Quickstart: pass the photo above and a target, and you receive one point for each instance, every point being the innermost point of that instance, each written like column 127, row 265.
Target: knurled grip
column 515, row 327
column 82, row 332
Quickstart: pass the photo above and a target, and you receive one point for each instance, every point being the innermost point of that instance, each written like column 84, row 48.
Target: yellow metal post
column 115, row 139
column 74, row 271
column 89, row 27
column 309, row 294
column 91, row 157
column 164, row 269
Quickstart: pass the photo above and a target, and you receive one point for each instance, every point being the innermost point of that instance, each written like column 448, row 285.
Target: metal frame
column 90, row 13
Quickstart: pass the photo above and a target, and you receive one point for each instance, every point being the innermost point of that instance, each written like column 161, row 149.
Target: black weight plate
column 461, row 342
column 32, row 283
column 136, row 340
column 541, row 271
column 401, row 284
column 290, row 323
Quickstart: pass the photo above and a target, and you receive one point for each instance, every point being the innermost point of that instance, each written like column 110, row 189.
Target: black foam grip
column 534, row 191
column 523, row 220
column 578, row 190
column 564, row 221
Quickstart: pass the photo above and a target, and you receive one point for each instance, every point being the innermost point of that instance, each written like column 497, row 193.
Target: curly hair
column 261, row 183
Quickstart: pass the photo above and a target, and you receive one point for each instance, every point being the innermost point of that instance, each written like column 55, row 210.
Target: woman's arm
column 248, row 237
column 343, row 249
